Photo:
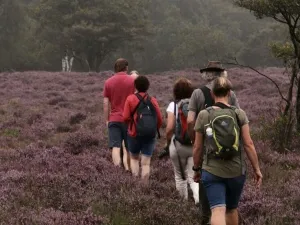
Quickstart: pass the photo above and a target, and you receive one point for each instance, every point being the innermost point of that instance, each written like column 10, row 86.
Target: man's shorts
column 223, row 192
column 137, row 145
column 117, row 133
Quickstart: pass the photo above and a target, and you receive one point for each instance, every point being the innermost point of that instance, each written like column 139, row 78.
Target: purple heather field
column 55, row 167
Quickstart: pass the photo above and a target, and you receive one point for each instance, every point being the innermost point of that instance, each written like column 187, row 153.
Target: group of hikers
column 207, row 137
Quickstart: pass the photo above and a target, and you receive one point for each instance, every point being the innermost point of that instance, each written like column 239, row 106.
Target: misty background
column 154, row 35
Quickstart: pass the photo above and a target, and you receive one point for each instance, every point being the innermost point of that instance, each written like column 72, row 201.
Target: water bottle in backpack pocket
column 210, row 144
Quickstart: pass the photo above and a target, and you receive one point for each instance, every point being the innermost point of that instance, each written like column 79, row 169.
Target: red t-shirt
column 130, row 104
column 117, row 89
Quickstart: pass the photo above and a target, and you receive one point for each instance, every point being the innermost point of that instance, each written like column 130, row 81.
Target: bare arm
column 198, row 149
column 106, row 109
column 191, row 124
column 251, row 153
column 197, row 154
column 170, row 127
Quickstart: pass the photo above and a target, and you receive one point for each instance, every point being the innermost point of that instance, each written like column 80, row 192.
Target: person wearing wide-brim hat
column 212, row 70
column 201, row 99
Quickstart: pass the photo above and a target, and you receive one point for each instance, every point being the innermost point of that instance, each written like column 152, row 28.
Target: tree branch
column 279, row 20
column 236, row 63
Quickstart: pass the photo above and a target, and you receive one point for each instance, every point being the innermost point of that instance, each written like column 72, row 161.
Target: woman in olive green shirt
column 223, row 179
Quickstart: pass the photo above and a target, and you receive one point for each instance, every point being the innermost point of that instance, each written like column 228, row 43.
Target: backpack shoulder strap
column 209, row 101
column 141, row 99
column 235, row 109
column 222, row 105
column 175, row 109
column 209, row 109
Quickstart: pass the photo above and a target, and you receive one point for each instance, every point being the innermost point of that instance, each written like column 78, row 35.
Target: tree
column 92, row 29
column 286, row 12
column 11, row 22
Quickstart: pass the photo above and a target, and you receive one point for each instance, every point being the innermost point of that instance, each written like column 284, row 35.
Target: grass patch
column 11, row 133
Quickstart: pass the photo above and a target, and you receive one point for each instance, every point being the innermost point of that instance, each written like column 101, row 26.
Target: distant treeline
column 154, row 35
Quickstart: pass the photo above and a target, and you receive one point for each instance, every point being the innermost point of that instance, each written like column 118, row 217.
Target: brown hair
column 221, row 87
column 121, row 65
column 141, row 83
column 182, row 89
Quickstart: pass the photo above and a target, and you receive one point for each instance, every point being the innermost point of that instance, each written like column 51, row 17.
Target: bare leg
column 116, row 156
column 232, row 217
column 218, row 216
column 135, row 165
column 125, row 158
column 145, row 169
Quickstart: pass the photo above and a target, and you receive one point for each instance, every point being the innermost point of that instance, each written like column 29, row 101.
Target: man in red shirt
column 116, row 90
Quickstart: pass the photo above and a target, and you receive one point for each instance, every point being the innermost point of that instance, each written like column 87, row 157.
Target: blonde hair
column 221, row 87
column 134, row 74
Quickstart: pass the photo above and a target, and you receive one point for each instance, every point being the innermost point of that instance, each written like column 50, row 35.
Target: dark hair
column 182, row 89
column 221, row 87
column 121, row 65
column 141, row 83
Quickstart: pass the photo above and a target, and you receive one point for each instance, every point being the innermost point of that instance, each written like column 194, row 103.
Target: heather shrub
column 66, row 82
column 34, row 118
column 56, row 100
column 280, row 131
column 79, row 141
column 77, row 118
column 11, row 133
column 58, row 170
column 63, row 128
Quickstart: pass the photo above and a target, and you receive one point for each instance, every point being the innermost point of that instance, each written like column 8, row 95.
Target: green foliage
column 286, row 12
column 284, row 51
column 11, row 21
column 270, row 8
column 11, row 133
column 187, row 35
column 279, row 130
column 91, row 28
column 153, row 35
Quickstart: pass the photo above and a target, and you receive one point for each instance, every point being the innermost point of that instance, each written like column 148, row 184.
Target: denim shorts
column 223, row 192
column 117, row 133
column 137, row 145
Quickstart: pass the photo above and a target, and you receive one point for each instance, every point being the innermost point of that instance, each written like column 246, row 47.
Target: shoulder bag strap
column 209, row 101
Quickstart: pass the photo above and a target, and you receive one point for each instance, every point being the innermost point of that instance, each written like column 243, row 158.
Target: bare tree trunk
column 71, row 64
column 91, row 62
column 291, row 87
column 298, row 106
column 99, row 60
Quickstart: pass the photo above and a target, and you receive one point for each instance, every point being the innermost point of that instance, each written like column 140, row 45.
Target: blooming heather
column 55, row 167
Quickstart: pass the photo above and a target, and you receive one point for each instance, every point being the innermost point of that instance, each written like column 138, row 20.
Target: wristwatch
column 197, row 169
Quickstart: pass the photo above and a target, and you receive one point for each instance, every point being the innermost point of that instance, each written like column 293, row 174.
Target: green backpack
column 223, row 132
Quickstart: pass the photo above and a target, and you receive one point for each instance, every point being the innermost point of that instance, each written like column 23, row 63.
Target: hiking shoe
column 163, row 153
